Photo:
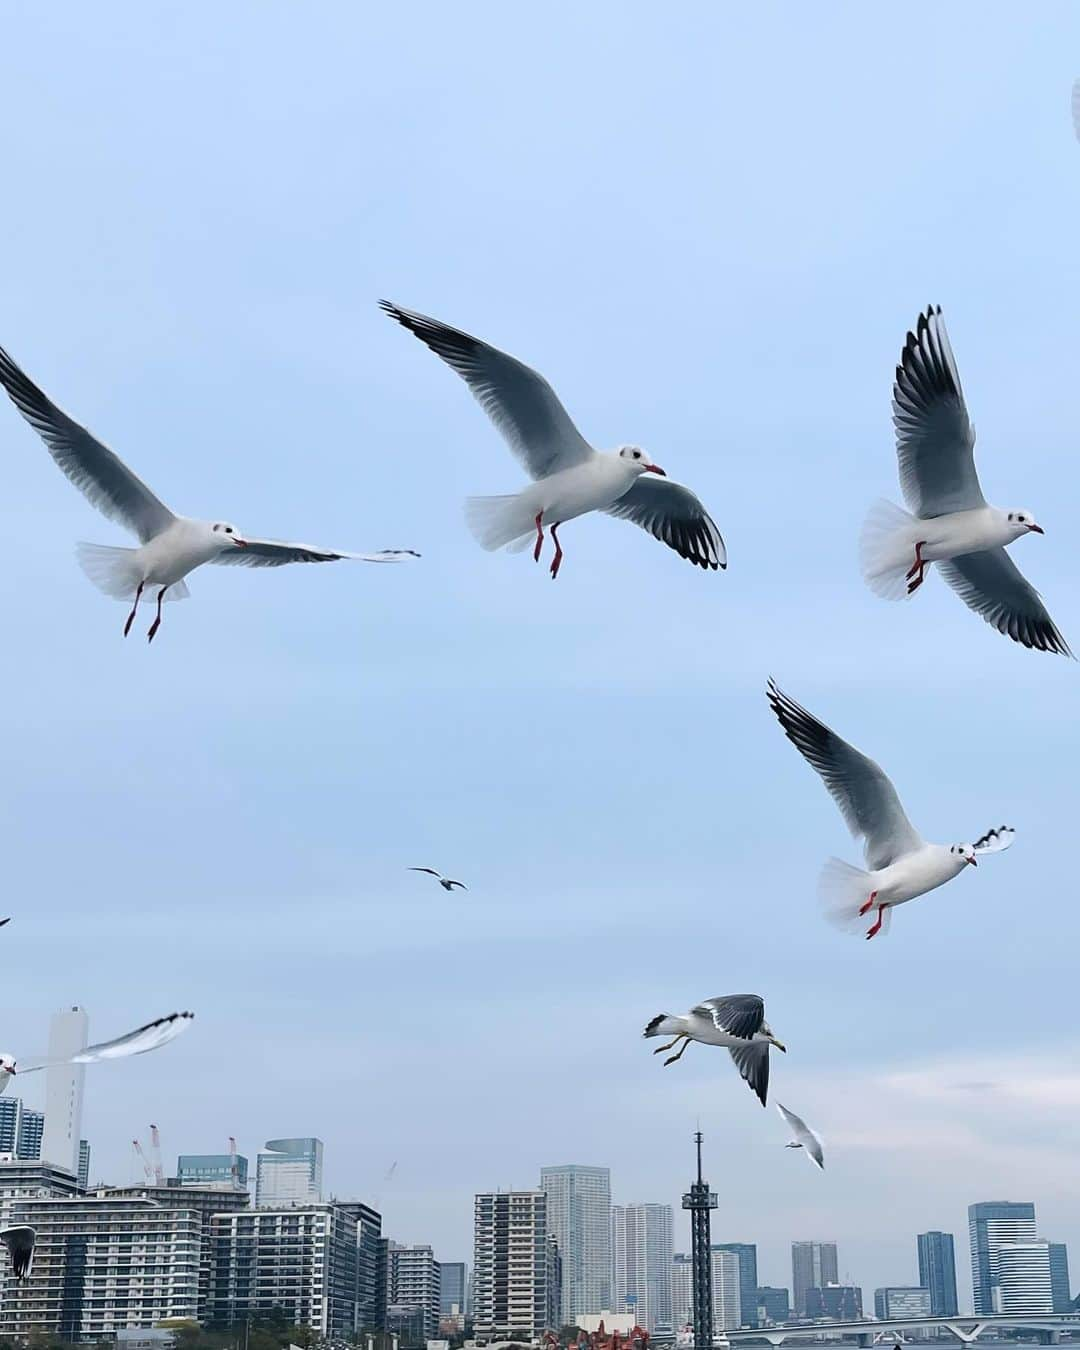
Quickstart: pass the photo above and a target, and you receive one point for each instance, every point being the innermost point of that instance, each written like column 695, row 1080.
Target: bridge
column 1046, row 1326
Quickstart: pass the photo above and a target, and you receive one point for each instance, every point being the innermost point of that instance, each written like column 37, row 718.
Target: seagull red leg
column 157, row 622
column 917, row 569
column 134, row 607
column 869, row 904
column 556, row 562
column 873, row 932
column 539, row 536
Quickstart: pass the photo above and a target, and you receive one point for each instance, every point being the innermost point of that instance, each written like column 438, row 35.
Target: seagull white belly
column 173, row 554
column 574, row 492
column 915, row 875
column 961, row 532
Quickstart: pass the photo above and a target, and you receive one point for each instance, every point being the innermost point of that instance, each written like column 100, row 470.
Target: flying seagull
column 902, row 864
column 4, row 921
column 444, row 882
column 951, row 522
column 734, row 1021
column 171, row 546
column 570, row 477
column 19, row 1240
column 804, row 1137
column 149, row 1037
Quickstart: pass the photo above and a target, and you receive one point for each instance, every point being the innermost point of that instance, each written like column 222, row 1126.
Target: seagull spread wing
column 996, row 841
column 138, row 1042
column 935, row 441
column 737, row 1014
column 429, row 870
column 19, row 1240
column 804, row 1135
column 675, row 516
column 859, row 787
column 520, row 402
column 752, row 1062
column 451, row 884
column 102, row 477
column 993, row 586
column 275, row 553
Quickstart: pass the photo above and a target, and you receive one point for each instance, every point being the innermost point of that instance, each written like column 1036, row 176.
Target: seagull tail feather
column 663, row 1024
column 116, row 572
column 843, row 890
column 499, row 522
column 887, row 549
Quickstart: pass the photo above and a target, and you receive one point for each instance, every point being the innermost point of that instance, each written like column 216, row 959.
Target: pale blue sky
column 710, row 229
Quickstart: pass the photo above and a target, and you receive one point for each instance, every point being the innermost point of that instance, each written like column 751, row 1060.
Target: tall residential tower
column 579, row 1218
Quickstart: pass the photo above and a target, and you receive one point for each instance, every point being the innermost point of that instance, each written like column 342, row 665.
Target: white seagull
column 19, row 1240
column 444, row 882
column 734, row 1021
column 902, row 864
column 571, row 478
column 171, row 546
column 138, row 1042
column 952, row 525
column 804, row 1137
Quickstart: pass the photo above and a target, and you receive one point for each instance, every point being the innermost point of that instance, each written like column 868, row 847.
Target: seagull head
column 767, row 1032
column 964, row 853
column 7, row 1063
column 227, row 536
column 1024, row 522
column 639, row 460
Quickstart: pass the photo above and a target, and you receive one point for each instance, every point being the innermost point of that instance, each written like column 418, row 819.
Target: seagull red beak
column 655, row 468
column 240, row 543
column 971, row 861
column 1036, row 529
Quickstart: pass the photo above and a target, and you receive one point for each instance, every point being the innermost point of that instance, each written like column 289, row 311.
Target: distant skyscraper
column 413, row 1281
column 579, row 1216
column 20, row 1129
column 212, row 1169
column 84, row 1164
column 1023, row 1283
column 515, row 1267
column 682, row 1290
column 452, row 1286
column 726, row 1291
column 991, row 1224
column 10, row 1111
column 289, row 1173
column 775, row 1304
column 1059, row 1277
column 748, row 1285
column 64, row 1090
column 937, row 1272
column 901, row 1301
column 641, row 1247
column 31, row 1133
column 813, row 1266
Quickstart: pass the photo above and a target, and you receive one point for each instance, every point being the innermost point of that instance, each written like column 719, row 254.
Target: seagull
column 171, row 546
column 444, row 882
column 571, row 478
column 4, row 921
column 138, row 1042
column 902, row 864
column 952, row 524
column 805, row 1137
column 735, row 1021
column 19, row 1240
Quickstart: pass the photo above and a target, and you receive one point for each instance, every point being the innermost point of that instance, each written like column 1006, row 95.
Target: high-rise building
column 991, row 1224
column 835, row 1303
column 813, row 1266
column 748, row 1285
column 68, row 1032
column 84, row 1164
column 10, row 1110
column 579, row 1215
column 682, row 1290
column 20, row 1129
column 370, row 1265
column 641, row 1248
column 212, row 1169
column 413, row 1281
column 1059, row 1278
column 774, row 1305
column 515, row 1283
column 937, row 1272
column 901, row 1301
column 289, row 1173
column 452, row 1285
column 1023, row 1283
column 726, row 1291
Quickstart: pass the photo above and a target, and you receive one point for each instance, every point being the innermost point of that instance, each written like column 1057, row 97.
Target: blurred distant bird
column 571, row 478
column 952, row 524
column 170, row 546
column 444, row 882
column 804, row 1137
column 138, row 1042
column 1076, row 107
column 734, row 1021
column 4, row 921
column 902, row 865
column 19, row 1240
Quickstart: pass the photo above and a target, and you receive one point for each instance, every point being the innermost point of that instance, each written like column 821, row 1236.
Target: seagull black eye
column 637, row 454
column 228, row 529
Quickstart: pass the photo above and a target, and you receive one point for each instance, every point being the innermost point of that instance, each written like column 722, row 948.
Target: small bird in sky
column 4, row 921
column 571, row 478
column 138, row 1042
column 171, row 546
column 902, row 864
column 803, row 1137
column 444, row 882
column 19, row 1240
column 734, row 1021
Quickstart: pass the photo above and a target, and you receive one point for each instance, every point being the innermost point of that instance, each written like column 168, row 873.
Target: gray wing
column 935, row 441
column 752, row 1062
column 19, row 1240
column 520, row 402
column 675, row 516
column 737, row 1014
column 429, row 870
column 275, row 553
column 102, row 477
column 996, row 841
column 993, row 586
column 138, row 1042
column 861, row 789
column 804, row 1135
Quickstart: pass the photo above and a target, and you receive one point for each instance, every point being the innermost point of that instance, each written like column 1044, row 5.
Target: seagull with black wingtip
column 734, row 1021
column 444, row 882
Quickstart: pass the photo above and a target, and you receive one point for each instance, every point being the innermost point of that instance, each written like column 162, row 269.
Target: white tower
column 68, row 1033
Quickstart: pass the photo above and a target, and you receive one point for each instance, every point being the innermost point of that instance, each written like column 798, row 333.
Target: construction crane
column 142, row 1158
column 234, row 1166
column 155, row 1153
